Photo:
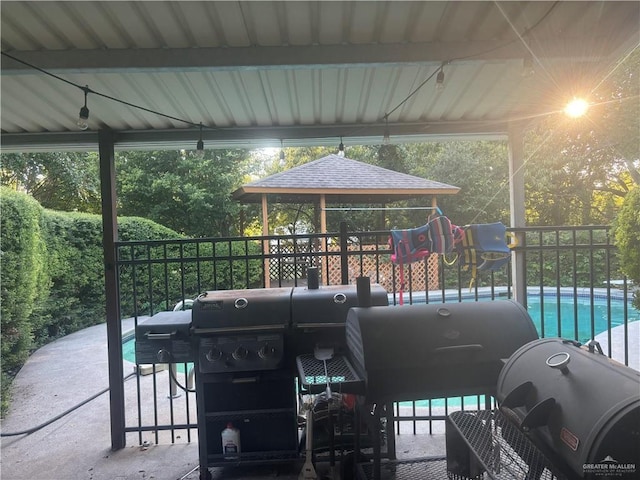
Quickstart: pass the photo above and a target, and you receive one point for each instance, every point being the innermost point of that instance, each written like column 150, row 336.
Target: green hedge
column 76, row 269
column 23, row 274
column 52, row 275
column 154, row 277
column 23, row 280
column 627, row 234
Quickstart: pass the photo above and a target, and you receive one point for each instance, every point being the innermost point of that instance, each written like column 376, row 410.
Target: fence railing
column 574, row 289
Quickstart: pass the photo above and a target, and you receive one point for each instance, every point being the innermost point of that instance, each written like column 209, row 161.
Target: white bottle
column 231, row 442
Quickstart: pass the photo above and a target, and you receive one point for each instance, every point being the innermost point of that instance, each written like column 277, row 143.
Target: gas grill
column 244, row 344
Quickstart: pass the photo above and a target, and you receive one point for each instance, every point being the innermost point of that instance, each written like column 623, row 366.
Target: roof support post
column 114, row 327
column 517, row 209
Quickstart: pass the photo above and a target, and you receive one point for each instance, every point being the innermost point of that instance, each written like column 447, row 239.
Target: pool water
column 577, row 318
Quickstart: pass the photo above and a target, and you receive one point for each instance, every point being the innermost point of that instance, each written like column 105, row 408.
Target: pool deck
column 78, row 446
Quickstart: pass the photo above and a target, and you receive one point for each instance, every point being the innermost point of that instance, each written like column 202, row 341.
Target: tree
column 59, row 181
column 627, row 235
column 481, row 171
column 579, row 170
column 179, row 190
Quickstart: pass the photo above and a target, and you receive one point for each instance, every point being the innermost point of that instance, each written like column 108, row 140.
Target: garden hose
column 58, row 417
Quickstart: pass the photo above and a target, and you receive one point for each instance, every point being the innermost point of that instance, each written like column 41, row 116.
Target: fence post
column 344, row 257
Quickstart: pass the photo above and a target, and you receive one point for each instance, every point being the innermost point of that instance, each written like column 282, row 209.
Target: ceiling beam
column 313, row 56
column 252, row 137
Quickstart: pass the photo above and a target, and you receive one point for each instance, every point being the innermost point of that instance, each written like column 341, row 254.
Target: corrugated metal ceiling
column 255, row 73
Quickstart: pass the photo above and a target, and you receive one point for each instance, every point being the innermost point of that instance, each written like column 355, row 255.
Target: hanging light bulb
column 440, row 80
column 281, row 151
column 83, row 116
column 200, row 145
column 341, row 148
column 386, row 138
column 527, row 67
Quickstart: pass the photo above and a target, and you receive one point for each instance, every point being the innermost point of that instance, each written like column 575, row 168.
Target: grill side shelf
column 342, row 376
column 501, row 449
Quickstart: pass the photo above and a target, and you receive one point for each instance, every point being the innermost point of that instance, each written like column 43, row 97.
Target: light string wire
column 519, row 37
column 87, row 90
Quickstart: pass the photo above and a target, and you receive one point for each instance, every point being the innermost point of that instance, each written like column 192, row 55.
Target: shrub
column 23, row 279
column 627, row 236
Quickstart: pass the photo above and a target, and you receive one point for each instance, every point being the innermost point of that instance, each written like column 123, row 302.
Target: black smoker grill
column 579, row 407
column 438, row 350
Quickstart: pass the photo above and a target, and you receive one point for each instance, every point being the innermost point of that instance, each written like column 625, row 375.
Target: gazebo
column 335, row 179
column 338, row 180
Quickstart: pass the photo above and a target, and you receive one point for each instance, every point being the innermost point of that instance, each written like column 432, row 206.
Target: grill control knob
column 266, row 351
column 163, row 356
column 214, row 354
column 240, row 353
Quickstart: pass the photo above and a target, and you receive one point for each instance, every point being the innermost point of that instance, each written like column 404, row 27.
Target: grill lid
column 579, row 404
column 242, row 310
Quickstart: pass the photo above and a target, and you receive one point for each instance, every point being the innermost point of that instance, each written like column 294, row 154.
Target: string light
column 386, row 138
column 527, row 67
column 440, row 80
column 200, row 145
column 83, row 116
column 577, row 107
column 341, row 148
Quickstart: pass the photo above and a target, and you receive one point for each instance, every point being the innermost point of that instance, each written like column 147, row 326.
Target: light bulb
column 200, row 149
column 440, row 80
column 200, row 145
column 577, row 107
column 83, row 116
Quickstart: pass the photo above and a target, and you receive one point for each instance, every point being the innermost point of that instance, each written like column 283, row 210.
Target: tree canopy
column 179, row 190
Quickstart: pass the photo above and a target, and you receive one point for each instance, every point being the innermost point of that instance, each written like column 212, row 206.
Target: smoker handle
column 475, row 347
column 160, row 336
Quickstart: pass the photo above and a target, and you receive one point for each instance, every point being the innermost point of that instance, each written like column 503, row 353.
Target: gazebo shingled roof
column 340, row 180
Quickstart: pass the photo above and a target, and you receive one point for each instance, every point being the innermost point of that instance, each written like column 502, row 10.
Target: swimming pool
column 579, row 317
column 579, row 314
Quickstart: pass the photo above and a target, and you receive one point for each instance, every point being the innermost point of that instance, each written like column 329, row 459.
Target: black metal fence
column 574, row 290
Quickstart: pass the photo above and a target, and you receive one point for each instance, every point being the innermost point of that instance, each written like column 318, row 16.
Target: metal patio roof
column 258, row 72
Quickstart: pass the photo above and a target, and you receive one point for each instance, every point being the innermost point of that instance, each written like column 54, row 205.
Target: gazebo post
column 323, row 229
column 266, row 248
